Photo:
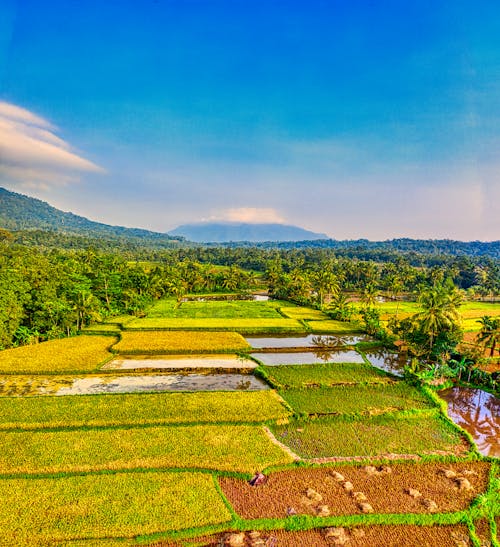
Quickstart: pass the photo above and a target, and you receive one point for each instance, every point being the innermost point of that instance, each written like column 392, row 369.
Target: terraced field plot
column 94, row 506
column 67, row 355
column 324, row 374
column 228, row 380
column 221, row 447
column 180, row 342
column 305, row 341
column 352, row 536
column 243, row 325
column 214, row 309
column 389, row 488
column 134, row 409
column 169, row 362
column 387, row 434
column 308, row 357
column 367, row 399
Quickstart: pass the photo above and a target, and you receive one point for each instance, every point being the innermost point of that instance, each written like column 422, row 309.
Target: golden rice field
column 83, row 353
column 220, row 447
column 46, row 511
column 243, row 325
column 163, row 342
column 140, row 408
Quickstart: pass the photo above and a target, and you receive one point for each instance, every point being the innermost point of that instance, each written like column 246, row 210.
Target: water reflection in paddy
column 180, row 362
column 388, row 361
column 174, row 382
column 478, row 412
column 308, row 357
column 306, row 341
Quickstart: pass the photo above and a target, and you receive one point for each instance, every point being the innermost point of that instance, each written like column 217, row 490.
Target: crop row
column 220, row 447
column 328, row 374
column 147, row 408
column 180, row 342
column 328, row 437
column 360, row 399
column 47, row 511
column 77, row 354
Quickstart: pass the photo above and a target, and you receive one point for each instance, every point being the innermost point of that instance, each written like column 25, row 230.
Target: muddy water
column 180, row 362
column 306, row 341
column 26, row 386
column 308, row 357
column 388, row 361
column 478, row 412
column 174, row 382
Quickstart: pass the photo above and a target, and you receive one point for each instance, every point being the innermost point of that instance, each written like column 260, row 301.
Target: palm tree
column 489, row 335
column 324, row 282
column 440, row 312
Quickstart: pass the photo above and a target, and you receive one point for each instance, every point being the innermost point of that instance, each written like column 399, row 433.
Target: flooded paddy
column 166, row 362
column 306, row 341
column 92, row 385
column 478, row 412
column 388, row 361
column 308, row 357
column 170, row 382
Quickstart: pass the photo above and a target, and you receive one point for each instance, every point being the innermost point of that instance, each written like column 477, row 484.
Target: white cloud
column 32, row 155
column 250, row 215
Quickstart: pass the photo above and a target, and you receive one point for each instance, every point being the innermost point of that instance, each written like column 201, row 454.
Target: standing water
column 478, row 412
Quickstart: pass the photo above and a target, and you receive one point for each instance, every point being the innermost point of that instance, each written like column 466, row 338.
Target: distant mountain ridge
column 20, row 212
column 223, row 232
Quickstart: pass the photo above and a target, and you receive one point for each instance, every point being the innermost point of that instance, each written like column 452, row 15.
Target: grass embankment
column 140, row 409
column 218, row 447
column 76, row 354
column 181, row 342
column 43, row 511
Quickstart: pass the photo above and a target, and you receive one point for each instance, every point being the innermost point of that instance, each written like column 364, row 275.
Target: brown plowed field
column 398, row 488
column 483, row 531
column 373, row 536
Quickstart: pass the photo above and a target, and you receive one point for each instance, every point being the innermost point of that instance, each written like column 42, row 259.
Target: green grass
column 230, row 309
column 144, row 408
column 376, row 436
column 330, row 326
column 361, row 399
column 77, row 354
column 324, row 374
column 245, row 325
column 180, row 342
column 299, row 312
column 48, row 510
column 222, row 447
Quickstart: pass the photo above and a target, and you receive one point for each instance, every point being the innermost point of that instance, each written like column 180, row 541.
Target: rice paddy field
column 342, row 453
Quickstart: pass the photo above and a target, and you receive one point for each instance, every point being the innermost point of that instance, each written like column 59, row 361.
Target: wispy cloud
column 33, row 155
column 249, row 214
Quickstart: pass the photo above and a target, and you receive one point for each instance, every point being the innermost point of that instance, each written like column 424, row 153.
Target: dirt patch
column 483, row 532
column 346, row 490
column 372, row 536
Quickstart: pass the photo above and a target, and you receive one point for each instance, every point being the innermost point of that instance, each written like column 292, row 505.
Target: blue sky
column 358, row 119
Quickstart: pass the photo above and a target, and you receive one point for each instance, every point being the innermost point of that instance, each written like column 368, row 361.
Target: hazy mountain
column 20, row 212
column 218, row 232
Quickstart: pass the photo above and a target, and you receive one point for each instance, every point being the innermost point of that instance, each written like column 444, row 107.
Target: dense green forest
column 48, row 292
